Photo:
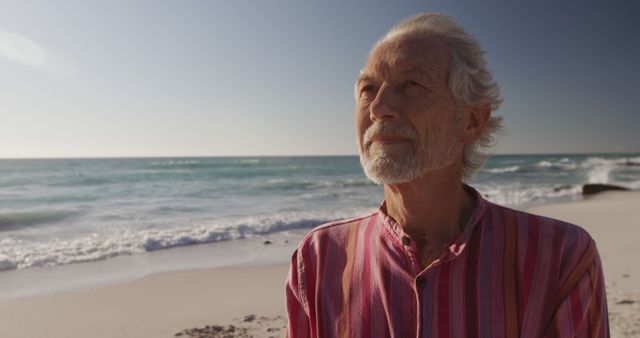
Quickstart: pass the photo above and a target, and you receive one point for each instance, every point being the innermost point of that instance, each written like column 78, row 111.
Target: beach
column 247, row 300
column 159, row 305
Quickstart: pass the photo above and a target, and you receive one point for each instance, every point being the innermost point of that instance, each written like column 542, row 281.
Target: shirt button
column 421, row 282
column 406, row 240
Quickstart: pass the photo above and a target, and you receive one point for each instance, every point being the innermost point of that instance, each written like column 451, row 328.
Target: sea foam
column 129, row 241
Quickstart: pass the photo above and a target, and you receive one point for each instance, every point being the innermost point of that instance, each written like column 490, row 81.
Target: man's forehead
column 424, row 56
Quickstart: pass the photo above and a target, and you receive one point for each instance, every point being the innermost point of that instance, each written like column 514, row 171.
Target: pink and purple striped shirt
column 509, row 274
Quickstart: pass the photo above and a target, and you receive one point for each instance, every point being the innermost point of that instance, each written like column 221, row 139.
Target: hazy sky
column 266, row 77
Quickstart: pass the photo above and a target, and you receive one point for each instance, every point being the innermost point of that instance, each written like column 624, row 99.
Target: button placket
column 424, row 295
column 411, row 252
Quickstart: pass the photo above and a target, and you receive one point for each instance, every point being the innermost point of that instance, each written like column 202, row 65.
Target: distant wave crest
column 503, row 170
column 564, row 163
column 283, row 183
column 524, row 196
column 600, row 169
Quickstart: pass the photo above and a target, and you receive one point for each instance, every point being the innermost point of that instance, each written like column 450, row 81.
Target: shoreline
column 248, row 252
column 164, row 303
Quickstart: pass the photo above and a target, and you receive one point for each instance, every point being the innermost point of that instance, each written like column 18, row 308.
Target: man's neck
column 433, row 209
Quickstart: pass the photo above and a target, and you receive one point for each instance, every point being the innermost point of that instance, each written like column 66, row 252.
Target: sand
column 159, row 305
column 248, row 301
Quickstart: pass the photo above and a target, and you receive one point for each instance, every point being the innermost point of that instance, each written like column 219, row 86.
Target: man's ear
column 474, row 119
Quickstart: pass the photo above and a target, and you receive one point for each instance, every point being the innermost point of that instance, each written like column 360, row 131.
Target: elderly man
column 437, row 259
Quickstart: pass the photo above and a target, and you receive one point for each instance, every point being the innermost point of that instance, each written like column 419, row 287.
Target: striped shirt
column 509, row 274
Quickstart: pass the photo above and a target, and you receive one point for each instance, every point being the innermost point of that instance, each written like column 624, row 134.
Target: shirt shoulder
column 527, row 220
column 336, row 231
column 552, row 241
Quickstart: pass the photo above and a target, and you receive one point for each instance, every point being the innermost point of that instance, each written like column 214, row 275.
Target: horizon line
column 265, row 156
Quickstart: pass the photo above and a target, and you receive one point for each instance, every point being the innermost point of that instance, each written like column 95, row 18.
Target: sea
column 56, row 212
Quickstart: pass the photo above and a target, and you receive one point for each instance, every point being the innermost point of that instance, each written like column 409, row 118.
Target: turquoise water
column 62, row 211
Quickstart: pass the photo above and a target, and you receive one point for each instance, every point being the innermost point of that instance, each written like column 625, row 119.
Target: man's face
column 405, row 114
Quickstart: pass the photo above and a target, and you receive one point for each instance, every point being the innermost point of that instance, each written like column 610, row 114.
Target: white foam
column 128, row 241
column 544, row 164
column 600, row 174
column 591, row 161
column 176, row 162
column 503, row 170
column 519, row 195
column 599, row 169
column 346, row 183
column 564, row 163
column 247, row 160
column 278, row 181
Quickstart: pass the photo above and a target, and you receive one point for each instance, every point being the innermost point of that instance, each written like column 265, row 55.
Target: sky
column 269, row 77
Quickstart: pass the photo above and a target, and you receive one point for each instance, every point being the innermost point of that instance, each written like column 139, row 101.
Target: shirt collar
column 458, row 245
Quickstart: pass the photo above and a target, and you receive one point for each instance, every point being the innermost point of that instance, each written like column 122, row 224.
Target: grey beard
column 381, row 168
column 384, row 169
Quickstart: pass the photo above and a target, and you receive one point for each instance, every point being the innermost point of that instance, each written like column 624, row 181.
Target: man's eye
column 367, row 89
column 411, row 83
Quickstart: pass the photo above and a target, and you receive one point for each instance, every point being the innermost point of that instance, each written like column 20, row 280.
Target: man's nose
column 384, row 106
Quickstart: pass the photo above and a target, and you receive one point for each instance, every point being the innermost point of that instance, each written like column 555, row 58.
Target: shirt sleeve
column 298, row 323
column 582, row 310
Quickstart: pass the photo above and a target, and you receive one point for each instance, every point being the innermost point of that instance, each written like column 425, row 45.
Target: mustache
column 389, row 128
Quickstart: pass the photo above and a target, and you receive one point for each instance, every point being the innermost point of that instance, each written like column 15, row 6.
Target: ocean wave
column 503, row 170
column 283, row 183
column 278, row 181
column 286, row 184
column 564, row 163
column 179, row 165
column 348, row 183
column 599, row 169
column 18, row 219
column 518, row 195
column 247, row 160
column 323, row 195
column 600, row 174
column 619, row 161
column 172, row 162
column 127, row 241
column 544, row 164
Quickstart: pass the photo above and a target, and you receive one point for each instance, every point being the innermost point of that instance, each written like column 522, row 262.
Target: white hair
column 470, row 81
